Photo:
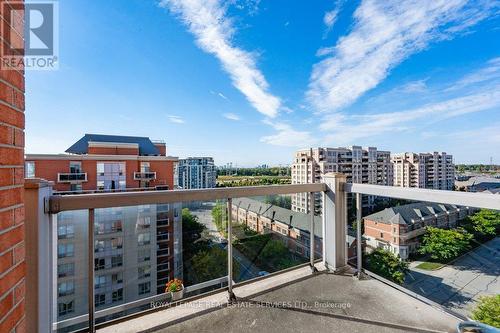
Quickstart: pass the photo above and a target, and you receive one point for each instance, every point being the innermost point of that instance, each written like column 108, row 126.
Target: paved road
column 248, row 269
column 458, row 286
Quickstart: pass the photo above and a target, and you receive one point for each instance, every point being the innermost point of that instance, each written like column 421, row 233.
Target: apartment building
column 137, row 248
column 424, row 170
column 292, row 227
column 196, row 172
column 361, row 165
column 399, row 229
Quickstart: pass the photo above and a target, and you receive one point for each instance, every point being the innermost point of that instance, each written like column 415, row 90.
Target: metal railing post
column 359, row 241
column 90, row 271
column 231, row 296
column 311, row 232
column 335, row 222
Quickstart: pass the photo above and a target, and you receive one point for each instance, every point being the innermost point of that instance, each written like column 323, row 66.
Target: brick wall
column 12, row 234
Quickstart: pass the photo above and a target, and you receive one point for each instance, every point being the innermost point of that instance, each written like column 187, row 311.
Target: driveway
column 459, row 285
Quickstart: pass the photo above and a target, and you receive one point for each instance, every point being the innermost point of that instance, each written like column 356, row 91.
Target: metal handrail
column 477, row 200
column 60, row 203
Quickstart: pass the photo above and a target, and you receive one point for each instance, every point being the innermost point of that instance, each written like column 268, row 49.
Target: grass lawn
column 430, row 266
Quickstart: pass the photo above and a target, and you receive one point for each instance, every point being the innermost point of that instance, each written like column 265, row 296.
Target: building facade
column 424, row 170
column 360, row 165
column 196, row 172
column 292, row 227
column 138, row 248
column 12, row 199
column 399, row 229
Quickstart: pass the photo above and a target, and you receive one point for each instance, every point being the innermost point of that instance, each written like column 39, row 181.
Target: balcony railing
column 145, row 176
column 71, row 177
column 333, row 190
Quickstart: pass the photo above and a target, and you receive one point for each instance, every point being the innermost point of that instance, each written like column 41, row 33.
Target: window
column 143, row 239
column 381, row 235
column 145, row 167
column 143, row 255
column 100, row 299
column 29, row 169
column 75, row 167
column 99, row 263
column 117, row 295
column 76, row 187
column 116, row 243
column 163, row 267
column 100, row 281
column 64, row 270
column 143, row 272
column 66, row 308
column 65, row 231
column 117, row 278
column 65, row 288
column 144, row 222
column 116, row 261
column 65, row 250
column 144, row 288
column 109, row 227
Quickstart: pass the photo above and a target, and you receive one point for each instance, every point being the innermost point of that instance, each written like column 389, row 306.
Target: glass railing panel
column 137, row 251
column 445, row 253
column 269, row 235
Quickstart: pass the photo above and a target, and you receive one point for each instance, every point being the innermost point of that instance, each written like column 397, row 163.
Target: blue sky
column 250, row 82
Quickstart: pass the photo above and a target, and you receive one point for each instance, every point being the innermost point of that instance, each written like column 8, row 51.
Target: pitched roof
column 408, row 214
column 286, row 216
column 146, row 147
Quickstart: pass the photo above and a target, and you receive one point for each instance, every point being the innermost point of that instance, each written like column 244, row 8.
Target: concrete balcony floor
column 297, row 301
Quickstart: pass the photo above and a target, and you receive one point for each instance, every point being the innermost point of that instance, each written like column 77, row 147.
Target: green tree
column 219, row 216
column 445, row 244
column 486, row 222
column 211, row 264
column 487, row 310
column 388, row 265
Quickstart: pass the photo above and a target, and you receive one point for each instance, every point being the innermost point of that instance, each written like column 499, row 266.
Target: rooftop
column 296, row 301
column 146, row 146
column 407, row 214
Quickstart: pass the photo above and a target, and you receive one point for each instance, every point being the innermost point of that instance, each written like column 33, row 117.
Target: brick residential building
column 399, row 229
column 12, row 210
column 138, row 248
column 424, row 170
column 292, row 227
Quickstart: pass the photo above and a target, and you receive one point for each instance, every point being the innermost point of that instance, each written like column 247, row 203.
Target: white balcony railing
column 144, row 176
column 42, row 207
column 72, row 177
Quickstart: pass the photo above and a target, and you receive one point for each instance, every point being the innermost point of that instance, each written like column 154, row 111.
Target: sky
column 250, row 82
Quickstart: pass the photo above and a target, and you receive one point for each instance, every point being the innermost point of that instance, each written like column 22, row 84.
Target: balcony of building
column 317, row 294
column 145, row 176
column 72, row 177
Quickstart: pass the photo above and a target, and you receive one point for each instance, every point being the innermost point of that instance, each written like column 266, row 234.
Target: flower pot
column 177, row 295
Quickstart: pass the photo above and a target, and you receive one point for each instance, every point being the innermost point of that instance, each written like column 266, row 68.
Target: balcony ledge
column 296, row 301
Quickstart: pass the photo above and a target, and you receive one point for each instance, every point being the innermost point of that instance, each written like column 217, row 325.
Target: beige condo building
column 360, row 165
column 424, row 170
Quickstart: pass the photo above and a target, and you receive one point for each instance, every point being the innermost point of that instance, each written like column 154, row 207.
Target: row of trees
column 446, row 244
column 477, row 167
column 252, row 181
column 274, row 171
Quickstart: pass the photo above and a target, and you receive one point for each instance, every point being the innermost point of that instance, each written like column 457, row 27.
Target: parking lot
column 458, row 285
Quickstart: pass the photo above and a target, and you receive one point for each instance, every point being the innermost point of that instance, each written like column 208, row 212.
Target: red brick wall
column 12, row 265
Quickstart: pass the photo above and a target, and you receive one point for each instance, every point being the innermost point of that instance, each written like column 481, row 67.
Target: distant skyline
column 252, row 81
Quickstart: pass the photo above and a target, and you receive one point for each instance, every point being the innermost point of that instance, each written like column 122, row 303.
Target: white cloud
column 489, row 72
column 213, row 30
column 329, row 20
column 221, row 95
column 287, row 136
column 385, row 33
column 175, row 119
column 231, row 116
column 413, row 87
column 346, row 129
